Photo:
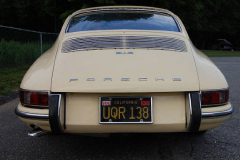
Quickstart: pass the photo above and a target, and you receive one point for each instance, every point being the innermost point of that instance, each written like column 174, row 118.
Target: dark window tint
column 118, row 21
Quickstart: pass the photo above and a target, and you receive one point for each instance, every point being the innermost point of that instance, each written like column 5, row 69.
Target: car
column 123, row 69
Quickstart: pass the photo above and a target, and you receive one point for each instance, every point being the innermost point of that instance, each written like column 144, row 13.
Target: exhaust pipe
column 37, row 131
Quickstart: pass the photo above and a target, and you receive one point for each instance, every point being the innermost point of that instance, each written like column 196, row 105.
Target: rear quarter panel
column 210, row 77
column 38, row 76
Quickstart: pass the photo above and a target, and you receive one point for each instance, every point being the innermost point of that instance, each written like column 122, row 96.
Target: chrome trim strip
column 125, row 9
column 190, row 107
column 125, row 122
column 217, row 114
column 200, row 104
column 214, row 105
column 32, row 115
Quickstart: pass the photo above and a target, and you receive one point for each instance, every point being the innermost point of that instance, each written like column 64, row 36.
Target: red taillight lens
column 34, row 98
column 215, row 97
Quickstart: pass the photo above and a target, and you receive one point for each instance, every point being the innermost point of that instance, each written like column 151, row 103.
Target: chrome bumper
column 217, row 114
column 56, row 124
column 32, row 115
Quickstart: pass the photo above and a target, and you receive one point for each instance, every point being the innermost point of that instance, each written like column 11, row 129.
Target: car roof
column 125, row 7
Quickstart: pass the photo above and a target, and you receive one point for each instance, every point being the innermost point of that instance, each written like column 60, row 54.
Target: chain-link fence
column 20, row 47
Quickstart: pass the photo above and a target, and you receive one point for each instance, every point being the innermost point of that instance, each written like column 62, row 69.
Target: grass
column 10, row 79
column 15, row 59
column 14, row 53
column 214, row 53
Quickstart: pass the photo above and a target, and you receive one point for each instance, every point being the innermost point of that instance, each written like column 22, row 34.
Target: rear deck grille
column 123, row 42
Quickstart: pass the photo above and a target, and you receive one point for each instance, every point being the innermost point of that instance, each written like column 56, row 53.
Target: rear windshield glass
column 118, row 21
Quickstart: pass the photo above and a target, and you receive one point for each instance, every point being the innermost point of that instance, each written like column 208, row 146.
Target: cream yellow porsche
column 123, row 69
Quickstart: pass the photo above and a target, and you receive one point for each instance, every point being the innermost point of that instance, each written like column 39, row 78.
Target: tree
column 205, row 20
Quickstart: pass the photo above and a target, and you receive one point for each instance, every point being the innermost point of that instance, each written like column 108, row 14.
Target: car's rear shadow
column 121, row 146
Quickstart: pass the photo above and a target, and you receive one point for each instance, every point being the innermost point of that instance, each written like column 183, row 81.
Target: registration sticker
column 144, row 103
column 106, row 103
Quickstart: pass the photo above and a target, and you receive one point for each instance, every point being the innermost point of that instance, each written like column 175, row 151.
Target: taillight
column 34, row 98
column 215, row 97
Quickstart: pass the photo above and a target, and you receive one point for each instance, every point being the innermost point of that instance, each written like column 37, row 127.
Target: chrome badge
column 125, row 79
column 142, row 79
column 176, row 79
column 162, row 79
column 73, row 79
column 124, row 52
column 90, row 79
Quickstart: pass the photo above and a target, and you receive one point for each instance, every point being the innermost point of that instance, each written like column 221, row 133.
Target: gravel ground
column 220, row 143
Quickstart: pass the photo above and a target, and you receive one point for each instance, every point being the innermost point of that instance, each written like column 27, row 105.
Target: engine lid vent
column 123, row 42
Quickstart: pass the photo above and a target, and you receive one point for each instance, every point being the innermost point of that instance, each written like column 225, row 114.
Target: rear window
column 120, row 21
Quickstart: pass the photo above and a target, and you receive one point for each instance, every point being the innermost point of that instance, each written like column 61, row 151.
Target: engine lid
column 125, row 70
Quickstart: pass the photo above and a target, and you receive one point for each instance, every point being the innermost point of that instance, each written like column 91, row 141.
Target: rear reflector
column 34, row 98
column 215, row 97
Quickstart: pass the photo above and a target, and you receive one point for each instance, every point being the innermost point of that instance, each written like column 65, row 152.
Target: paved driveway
column 220, row 143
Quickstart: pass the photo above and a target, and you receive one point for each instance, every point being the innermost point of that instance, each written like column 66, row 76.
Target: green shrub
column 10, row 79
column 14, row 54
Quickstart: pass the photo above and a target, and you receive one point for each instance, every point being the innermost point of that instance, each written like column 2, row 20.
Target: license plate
column 125, row 110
